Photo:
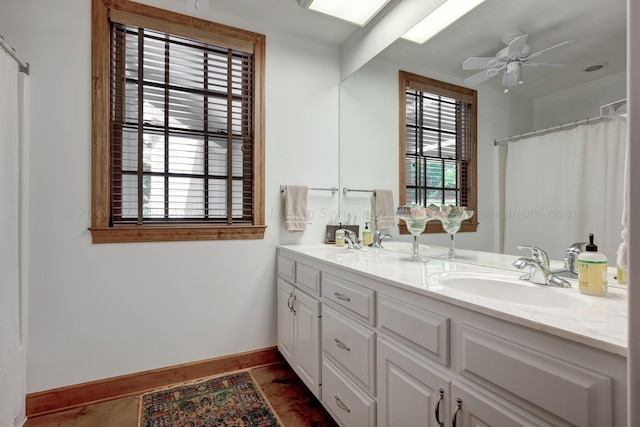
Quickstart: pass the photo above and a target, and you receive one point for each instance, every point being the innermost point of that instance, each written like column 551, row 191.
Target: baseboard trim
column 59, row 399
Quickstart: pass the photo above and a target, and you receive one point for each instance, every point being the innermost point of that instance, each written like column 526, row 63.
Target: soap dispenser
column 366, row 235
column 592, row 271
column 339, row 238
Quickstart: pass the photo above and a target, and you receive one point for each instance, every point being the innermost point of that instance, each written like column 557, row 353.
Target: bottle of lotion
column 592, row 271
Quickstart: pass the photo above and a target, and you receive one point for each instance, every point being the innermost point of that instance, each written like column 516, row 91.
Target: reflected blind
column 438, row 149
column 181, row 130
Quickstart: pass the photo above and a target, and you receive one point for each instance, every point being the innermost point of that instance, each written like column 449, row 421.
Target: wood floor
column 291, row 400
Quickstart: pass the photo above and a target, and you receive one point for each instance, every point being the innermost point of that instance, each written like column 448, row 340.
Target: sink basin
column 507, row 288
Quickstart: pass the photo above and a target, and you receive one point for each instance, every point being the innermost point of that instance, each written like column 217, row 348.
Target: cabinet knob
column 341, row 404
column 440, row 399
column 455, row 414
column 341, row 344
column 289, row 303
column 292, row 304
column 341, row 296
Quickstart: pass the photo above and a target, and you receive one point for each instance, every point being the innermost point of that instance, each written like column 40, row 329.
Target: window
column 438, row 124
column 177, row 127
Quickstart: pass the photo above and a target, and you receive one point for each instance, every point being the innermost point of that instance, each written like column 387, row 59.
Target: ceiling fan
column 511, row 59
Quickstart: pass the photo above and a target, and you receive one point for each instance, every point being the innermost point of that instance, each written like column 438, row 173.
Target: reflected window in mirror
column 438, row 135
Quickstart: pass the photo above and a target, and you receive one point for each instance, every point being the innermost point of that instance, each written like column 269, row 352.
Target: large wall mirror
column 549, row 96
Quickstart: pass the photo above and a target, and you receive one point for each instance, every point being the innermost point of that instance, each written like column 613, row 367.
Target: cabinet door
column 470, row 408
column 409, row 389
column 306, row 315
column 285, row 320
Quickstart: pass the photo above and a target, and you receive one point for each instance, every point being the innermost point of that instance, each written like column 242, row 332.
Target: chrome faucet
column 538, row 255
column 351, row 239
column 570, row 269
column 378, row 237
column 539, row 271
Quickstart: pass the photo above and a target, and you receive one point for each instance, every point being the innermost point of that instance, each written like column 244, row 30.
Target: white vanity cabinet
column 502, row 374
column 299, row 320
column 348, row 351
column 411, row 391
column 396, row 355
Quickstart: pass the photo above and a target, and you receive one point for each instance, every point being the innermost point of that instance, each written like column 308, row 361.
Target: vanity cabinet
column 299, row 321
column 348, row 351
column 412, row 392
column 393, row 356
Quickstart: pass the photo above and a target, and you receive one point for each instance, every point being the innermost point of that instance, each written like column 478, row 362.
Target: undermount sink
column 506, row 288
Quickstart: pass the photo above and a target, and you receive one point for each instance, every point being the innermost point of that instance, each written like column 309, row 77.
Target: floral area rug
column 226, row 400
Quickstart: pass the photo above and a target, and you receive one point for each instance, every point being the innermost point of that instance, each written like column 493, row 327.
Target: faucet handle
column 537, row 254
column 576, row 248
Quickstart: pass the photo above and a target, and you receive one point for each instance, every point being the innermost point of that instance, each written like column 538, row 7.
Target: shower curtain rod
column 24, row 67
column 565, row 126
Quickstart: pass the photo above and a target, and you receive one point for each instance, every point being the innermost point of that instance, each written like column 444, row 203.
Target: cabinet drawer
column 355, row 298
column 350, row 344
column 351, row 406
column 287, row 269
column 426, row 331
column 308, row 278
column 576, row 395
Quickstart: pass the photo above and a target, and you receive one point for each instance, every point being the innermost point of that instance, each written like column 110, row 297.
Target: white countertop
column 599, row 322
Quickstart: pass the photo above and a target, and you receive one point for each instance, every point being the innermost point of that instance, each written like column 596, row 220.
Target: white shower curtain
column 12, row 363
column 561, row 186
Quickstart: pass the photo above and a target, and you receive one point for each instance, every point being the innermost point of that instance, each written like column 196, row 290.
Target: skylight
column 439, row 19
column 358, row 12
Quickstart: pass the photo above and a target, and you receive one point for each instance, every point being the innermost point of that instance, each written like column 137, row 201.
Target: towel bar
column 345, row 190
column 332, row 189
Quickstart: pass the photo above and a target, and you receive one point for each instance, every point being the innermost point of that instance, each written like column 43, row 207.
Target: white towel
column 295, row 207
column 382, row 209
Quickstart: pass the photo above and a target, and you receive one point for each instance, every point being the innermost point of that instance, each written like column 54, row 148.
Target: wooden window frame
column 158, row 19
column 451, row 91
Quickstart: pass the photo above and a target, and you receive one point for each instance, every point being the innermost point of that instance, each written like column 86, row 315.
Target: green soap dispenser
column 592, row 271
column 366, row 235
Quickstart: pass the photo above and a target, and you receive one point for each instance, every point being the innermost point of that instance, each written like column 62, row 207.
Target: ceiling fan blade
column 542, row 64
column 540, row 52
column 479, row 62
column 517, row 45
column 480, row 77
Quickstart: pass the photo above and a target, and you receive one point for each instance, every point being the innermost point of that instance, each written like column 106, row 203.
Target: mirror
column 548, row 97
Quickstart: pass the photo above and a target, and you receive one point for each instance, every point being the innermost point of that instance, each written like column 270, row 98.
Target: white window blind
column 181, row 130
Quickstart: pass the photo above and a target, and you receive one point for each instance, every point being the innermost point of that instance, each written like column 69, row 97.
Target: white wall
column 579, row 102
column 98, row 311
column 369, row 144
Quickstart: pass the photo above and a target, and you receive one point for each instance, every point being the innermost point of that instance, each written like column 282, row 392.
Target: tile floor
column 291, row 400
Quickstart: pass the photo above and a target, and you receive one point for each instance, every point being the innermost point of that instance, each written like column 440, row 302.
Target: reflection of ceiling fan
column 511, row 59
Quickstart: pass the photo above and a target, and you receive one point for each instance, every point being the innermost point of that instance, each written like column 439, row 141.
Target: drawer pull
column 440, row 399
column 343, row 297
column 455, row 414
column 341, row 344
column 341, row 404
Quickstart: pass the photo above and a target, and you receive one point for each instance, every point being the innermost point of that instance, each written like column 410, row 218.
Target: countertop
column 599, row 322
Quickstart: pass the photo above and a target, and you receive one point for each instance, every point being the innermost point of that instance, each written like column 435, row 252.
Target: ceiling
column 597, row 26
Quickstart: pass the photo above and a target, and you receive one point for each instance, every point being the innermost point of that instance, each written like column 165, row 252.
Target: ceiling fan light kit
column 509, row 59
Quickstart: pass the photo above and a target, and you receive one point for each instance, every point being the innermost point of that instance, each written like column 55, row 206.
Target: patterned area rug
column 225, row 400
